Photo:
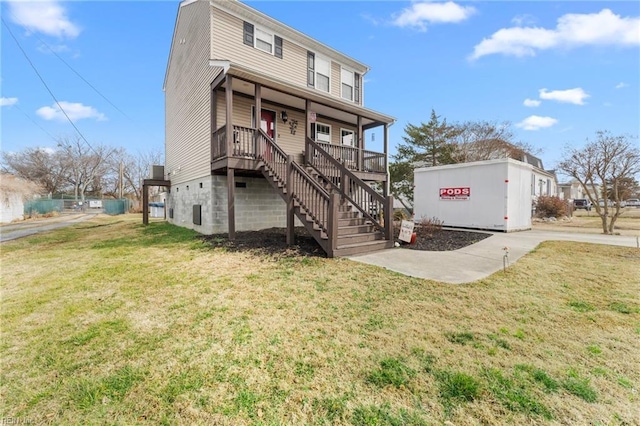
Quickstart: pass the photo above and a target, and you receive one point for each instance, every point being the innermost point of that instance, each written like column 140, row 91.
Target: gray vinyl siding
column 227, row 36
column 187, row 96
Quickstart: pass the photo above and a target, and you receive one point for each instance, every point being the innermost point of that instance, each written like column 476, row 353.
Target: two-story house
column 265, row 128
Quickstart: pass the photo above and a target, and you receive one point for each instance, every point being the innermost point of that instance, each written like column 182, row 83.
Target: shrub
column 428, row 227
column 550, row 207
column 399, row 215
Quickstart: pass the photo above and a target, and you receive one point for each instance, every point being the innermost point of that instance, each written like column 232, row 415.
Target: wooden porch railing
column 245, row 145
column 219, row 143
column 356, row 159
column 313, row 199
column 358, row 193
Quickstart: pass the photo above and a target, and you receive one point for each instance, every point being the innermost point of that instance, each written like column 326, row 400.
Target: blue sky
column 558, row 71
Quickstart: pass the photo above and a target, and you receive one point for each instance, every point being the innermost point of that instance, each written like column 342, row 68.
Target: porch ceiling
column 284, row 93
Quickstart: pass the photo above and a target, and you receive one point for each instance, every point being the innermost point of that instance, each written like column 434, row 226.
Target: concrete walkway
column 478, row 260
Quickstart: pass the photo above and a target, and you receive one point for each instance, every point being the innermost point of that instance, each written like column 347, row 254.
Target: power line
column 71, row 68
column 33, row 121
column 47, row 87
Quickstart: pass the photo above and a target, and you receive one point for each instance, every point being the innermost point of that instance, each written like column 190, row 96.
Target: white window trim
column 322, row 124
column 353, row 141
column 353, row 83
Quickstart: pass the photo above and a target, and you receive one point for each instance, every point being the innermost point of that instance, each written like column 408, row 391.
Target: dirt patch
column 272, row 242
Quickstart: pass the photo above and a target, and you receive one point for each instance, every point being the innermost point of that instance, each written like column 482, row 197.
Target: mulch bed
column 446, row 240
column 272, row 242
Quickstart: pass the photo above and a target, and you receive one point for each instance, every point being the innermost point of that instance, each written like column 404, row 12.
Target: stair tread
column 363, row 244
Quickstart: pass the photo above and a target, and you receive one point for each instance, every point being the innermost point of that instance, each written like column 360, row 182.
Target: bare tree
column 135, row 168
column 84, row 163
column 44, row 167
column 487, row 140
column 602, row 167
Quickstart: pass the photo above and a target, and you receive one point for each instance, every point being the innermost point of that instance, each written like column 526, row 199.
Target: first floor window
column 321, row 132
column 348, row 137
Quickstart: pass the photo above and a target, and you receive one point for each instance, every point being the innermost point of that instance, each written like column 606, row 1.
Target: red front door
column 268, row 122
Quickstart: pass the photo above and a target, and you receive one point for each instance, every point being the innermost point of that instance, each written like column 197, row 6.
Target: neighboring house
column 264, row 123
column 13, row 193
column 543, row 182
column 571, row 190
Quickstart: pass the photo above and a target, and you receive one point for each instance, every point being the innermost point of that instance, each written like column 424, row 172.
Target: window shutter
column 356, row 96
column 248, row 34
column 278, row 49
column 311, row 74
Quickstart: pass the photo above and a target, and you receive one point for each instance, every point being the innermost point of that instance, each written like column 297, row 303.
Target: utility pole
column 120, row 180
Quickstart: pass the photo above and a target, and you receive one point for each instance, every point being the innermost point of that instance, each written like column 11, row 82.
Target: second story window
column 318, row 72
column 262, row 39
column 347, row 79
column 350, row 87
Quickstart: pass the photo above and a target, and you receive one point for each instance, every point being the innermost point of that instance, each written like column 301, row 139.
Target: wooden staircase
column 320, row 198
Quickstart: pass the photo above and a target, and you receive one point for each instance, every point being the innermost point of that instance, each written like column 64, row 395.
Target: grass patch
column 384, row 415
column 392, row 372
column 622, row 308
column 514, row 394
column 460, row 338
column 111, row 322
column 580, row 387
column 332, row 410
column 455, row 385
column 580, row 306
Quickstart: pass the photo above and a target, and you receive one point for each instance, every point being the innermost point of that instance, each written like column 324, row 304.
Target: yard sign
column 406, row 229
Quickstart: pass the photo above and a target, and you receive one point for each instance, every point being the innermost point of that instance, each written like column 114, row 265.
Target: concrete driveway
column 17, row 230
column 478, row 260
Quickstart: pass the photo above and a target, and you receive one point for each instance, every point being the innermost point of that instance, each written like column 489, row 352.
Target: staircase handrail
column 281, row 171
column 345, row 172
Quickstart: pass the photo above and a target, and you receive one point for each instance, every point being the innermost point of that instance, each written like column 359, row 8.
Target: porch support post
column 387, row 182
column 231, row 201
column 291, row 237
column 229, row 114
column 258, row 117
column 214, row 118
column 388, row 217
column 145, row 204
column 360, row 144
column 307, row 131
column 332, row 225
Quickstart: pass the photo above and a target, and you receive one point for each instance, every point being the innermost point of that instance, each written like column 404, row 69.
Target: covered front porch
column 290, row 116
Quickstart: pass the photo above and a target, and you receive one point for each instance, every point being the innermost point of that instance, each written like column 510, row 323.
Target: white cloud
column 47, row 17
column 570, row 96
column 75, row 111
column 621, row 85
column 531, row 102
column 524, row 19
column 572, row 30
column 536, row 122
column 423, row 13
column 8, row 101
column 56, row 48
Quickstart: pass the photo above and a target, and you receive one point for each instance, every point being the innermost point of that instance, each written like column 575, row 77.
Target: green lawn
column 109, row 322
